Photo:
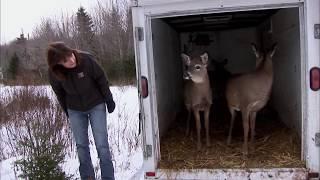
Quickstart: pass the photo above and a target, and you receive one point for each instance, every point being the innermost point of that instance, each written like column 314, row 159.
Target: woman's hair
column 56, row 52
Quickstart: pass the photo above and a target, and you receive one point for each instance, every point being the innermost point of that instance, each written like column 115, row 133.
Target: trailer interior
column 227, row 37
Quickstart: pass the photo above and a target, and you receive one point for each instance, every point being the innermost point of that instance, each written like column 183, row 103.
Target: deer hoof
column 252, row 147
column 208, row 144
column 244, row 156
column 245, row 151
column 187, row 133
column 229, row 141
column 199, row 147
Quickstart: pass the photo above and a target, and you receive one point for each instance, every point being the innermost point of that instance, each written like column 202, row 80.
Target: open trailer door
column 312, row 52
column 147, row 99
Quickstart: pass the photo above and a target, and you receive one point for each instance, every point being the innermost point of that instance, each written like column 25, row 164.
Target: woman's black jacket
column 85, row 86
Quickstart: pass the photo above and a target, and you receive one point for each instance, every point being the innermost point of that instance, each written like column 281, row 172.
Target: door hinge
column 134, row 3
column 148, row 151
column 317, row 31
column 140, row 122
column 317, row 139
column 139, row 33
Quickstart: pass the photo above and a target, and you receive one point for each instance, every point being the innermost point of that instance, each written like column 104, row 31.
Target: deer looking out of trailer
column 197, row 93
column 249, row 93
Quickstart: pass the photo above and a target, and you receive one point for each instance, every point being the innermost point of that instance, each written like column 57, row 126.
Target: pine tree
column 85, row 34
column 13, row 66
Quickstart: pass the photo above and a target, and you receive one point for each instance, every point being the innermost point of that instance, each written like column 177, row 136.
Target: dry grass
column 29, row 113
column 276, row 147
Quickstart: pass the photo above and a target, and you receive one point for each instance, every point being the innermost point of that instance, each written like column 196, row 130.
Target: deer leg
column 252, row 128
column 245, row 124
column 198, row 124
column 188, row 122
column 207, row 123
column 233, row 115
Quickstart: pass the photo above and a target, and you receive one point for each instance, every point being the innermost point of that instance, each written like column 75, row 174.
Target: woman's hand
column 110, row 105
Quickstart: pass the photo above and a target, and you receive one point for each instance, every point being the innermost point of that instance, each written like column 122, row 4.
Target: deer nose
column 197, row 67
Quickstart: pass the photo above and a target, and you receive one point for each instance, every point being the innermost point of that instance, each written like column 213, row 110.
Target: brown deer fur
column 249, row 93
column 197, row 92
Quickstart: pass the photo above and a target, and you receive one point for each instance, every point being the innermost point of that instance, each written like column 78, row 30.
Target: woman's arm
column 59, row 91
column 103, row 84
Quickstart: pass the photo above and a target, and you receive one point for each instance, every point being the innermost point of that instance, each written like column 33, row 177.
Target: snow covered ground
column 124, row 139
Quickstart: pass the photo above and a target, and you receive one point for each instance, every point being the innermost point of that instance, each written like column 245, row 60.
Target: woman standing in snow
column 82, row 90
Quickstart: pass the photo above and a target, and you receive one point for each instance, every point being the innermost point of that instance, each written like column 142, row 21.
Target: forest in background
column 105, row 32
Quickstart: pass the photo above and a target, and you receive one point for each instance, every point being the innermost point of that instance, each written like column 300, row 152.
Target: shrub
column 37, row 134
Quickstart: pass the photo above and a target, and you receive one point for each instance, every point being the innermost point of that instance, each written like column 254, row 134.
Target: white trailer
column 161, row 27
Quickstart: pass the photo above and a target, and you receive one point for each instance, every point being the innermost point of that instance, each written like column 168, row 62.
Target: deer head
column 262, row 56
column 196, row 67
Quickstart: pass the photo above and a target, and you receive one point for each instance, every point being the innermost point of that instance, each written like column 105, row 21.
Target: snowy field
column 123, row 132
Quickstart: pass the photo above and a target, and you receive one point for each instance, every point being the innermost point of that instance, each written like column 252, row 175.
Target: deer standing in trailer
column 197, row 93
column 249, row 93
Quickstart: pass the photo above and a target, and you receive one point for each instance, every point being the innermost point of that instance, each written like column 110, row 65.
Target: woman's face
column 69, row 62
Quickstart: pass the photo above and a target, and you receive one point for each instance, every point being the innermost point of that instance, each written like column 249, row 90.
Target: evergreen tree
column 13, row 66
column 85, row 34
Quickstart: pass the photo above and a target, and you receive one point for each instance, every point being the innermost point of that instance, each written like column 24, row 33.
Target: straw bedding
column 276, row 146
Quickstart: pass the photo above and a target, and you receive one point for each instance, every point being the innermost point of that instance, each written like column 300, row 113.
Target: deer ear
column 185, row 59
column 204, row 58
column 224, row 62
column 274, row 48
column 254, row 49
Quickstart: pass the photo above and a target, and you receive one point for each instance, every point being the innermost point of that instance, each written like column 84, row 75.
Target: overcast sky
column 26, row 14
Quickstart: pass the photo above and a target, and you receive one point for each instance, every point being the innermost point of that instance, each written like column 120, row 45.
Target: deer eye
column 198, row 67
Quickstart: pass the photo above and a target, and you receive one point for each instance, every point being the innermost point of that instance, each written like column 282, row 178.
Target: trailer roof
column 219, row 21
column 156, row 2
column 163, row 2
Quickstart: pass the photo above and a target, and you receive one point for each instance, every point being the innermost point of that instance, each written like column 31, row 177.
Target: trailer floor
column 276, row 146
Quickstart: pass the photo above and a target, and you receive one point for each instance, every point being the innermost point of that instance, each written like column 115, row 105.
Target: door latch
column 317, row 139
column 317, row 31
